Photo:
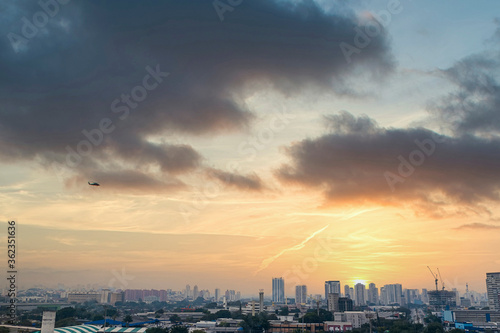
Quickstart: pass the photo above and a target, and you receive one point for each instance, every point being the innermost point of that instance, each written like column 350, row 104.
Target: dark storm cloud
column 250, row 182
column 187, row 69
column 360, row 162
column 474, row 105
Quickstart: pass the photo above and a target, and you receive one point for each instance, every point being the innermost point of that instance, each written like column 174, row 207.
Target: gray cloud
column 478, row 226
column 67, row 77
column 473, row 108
column 126, row 182
column 250, row 182
column 350, row 166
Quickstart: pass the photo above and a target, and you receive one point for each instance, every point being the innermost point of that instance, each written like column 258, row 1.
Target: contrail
column 268, row 261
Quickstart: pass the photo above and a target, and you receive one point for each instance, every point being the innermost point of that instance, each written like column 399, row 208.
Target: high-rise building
column 105, row 296
column 261, row 300
column 345, row 304
column 217, row 294
column 332, row 287
column 372, row 293
column 188, row 290
column 195, row 292
column 301, row 294
column 347, row 292
column 278, row 290
column 333, row 302
column 116, row 297
column 393, row 293
column 359, row 292
column 493, row 290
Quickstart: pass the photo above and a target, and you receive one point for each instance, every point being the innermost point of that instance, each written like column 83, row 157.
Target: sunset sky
column 314, row 140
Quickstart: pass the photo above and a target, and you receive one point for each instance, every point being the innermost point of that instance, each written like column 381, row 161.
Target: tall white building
column 301, row 294
column 493, row 290
column 278, row 290
column 347, row 292
column 372, row 293
column 359, row 292
column 195, row 292
column 393, row 293
column 332, row 287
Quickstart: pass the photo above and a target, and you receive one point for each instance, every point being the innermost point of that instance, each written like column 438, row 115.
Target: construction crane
column 440, row 278
column 434, row 276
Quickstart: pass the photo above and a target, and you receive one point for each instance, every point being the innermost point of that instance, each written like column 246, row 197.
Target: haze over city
column 312, row 140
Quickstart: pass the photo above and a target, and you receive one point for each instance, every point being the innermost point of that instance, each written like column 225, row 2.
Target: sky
column 243, row 140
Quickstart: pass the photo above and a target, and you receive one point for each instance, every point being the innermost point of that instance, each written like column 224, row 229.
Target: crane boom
column 435, row 277
column 440, row 278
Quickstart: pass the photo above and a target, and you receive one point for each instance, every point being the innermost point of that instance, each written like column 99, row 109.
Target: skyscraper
column 278, row 290
column 333, row 302
column 301, row 294
column 393, row 293
column 359, row 292
column 372, row 293
column 261, row 300
column 195, row 292
column 493, row 290
column 346, row 291
column 217, row 294
column 332, row 287
column 188, row 290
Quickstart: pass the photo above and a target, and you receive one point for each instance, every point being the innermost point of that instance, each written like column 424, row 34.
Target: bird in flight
column 94, row 184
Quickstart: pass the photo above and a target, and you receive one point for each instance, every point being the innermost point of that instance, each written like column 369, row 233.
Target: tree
column 66, row 322
column 128, row 319
column 175, row 318
column 434, row 328
column 65, row 313
column 223, row 314
column 256, row 323
column 311, row 317
column 283, row 311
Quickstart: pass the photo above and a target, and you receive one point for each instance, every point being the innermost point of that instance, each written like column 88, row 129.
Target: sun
column 356, row 281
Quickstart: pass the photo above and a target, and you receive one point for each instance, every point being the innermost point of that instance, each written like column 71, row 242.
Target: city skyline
column 166, row 143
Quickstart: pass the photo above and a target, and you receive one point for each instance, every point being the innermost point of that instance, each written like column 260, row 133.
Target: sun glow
column 356, row 281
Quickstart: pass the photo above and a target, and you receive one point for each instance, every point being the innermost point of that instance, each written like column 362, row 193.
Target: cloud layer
column 160, row 67
column 359, row 162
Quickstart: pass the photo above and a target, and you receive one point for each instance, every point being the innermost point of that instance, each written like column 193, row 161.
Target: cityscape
column 250, row 166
